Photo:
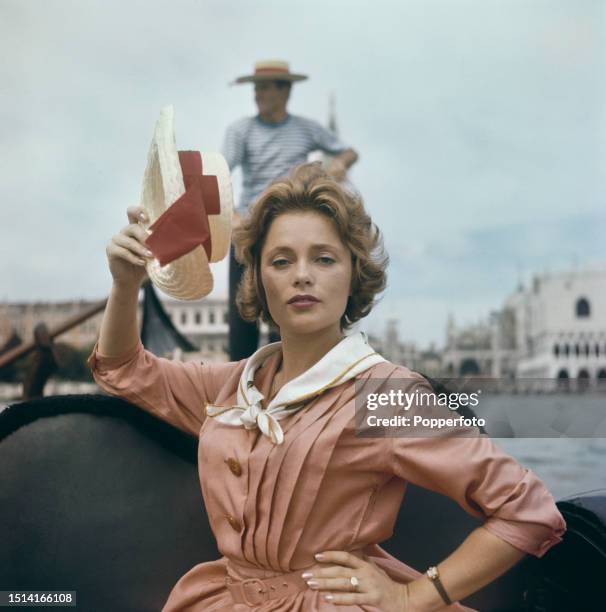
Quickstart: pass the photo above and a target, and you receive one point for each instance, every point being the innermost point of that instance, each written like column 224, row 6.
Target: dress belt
column 255, row 591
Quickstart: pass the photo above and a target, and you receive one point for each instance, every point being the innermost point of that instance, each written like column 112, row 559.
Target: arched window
column 577, row 349
column 183, row 317
column 597, row 349
column 566, row 349
column 583, row 308
column 198, row 317
column 469, row 367
column 587, row 350
column 563, row 380
column 556, row 350
column 583, row 380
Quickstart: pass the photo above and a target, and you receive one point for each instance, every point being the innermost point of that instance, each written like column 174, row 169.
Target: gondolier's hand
column 344, row 579
column 126, row 253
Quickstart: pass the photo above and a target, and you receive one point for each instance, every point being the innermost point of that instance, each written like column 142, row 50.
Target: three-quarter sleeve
column 174, row 391
column 470, row 469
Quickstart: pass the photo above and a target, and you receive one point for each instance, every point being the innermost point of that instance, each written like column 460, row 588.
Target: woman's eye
column 325, row 259
column 279, row 263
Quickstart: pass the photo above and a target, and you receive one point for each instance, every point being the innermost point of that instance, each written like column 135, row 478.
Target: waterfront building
column 428, row 361
column 553, row 328
column 203, row 322
column 22, row 317
column 559, row 326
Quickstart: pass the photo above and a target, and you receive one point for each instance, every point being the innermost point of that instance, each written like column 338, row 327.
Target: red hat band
column 183, row 226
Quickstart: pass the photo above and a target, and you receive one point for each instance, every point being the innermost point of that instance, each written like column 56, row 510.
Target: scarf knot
column 351, row 356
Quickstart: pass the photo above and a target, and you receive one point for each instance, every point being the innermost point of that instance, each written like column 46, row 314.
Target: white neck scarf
column 343, row 362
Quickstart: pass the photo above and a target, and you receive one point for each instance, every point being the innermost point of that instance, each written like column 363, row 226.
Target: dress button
column 234, row 466
column 234, row 522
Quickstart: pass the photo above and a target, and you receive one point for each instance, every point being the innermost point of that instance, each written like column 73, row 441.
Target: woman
column 298, row 503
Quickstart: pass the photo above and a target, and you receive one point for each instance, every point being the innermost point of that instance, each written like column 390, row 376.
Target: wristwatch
column 433, row 574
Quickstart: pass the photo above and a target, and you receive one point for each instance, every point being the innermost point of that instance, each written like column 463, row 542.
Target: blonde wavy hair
column 309, row 188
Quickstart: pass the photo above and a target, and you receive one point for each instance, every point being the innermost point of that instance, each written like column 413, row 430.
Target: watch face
column 432, row 573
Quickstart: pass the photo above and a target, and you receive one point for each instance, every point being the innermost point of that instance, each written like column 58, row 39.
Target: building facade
column 22, row 317
column 427, row 361
column 205, row 324
column 553, row 329
column 559, row 326
column 202, row 322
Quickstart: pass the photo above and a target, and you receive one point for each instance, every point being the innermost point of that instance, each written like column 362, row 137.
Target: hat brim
column 271, row 76
column 188, row 277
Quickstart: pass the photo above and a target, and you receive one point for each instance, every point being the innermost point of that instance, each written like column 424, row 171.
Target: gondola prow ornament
column 188, row 198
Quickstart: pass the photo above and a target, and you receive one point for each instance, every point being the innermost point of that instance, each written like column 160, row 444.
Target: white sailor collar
column 351, row 356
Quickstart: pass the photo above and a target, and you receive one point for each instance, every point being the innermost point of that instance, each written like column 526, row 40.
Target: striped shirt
column 266, row 151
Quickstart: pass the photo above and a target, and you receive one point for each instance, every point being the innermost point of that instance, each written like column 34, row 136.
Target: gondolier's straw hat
column 270, row 70
column 188, row 199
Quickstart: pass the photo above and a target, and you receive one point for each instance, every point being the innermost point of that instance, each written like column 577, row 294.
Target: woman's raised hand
column 127, row 253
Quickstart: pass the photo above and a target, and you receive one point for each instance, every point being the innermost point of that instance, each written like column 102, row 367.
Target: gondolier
column 268, row 146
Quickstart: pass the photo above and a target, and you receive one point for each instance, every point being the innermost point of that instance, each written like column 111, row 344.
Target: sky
column 480, row 125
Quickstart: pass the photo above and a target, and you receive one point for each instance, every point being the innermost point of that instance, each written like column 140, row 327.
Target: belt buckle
column 261, row 591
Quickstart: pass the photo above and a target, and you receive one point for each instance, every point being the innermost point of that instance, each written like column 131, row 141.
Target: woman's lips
column 303, row 304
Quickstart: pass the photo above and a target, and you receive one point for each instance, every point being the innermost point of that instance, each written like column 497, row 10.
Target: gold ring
column 355, row 583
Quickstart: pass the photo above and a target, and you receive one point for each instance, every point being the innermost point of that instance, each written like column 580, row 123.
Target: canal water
column 561, row 437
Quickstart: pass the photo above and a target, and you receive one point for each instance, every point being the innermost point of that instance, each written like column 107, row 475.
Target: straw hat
column 271, row 70
column 188, row 199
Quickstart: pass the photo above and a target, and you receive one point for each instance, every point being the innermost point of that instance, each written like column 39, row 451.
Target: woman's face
column 303, row 256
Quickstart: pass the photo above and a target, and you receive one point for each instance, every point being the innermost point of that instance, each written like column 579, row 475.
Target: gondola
column 101, row 498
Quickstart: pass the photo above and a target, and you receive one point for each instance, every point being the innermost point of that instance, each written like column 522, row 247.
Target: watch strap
column 434, row 575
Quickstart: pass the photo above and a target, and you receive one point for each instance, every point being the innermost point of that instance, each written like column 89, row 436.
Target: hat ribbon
column 272, row 70
column 183, row 226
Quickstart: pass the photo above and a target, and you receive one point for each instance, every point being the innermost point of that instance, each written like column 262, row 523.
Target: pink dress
column 272, row 507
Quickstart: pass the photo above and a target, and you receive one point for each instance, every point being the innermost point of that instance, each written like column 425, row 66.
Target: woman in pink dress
column 297, row 501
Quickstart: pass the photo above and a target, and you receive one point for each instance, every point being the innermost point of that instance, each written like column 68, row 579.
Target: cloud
column 480, row 127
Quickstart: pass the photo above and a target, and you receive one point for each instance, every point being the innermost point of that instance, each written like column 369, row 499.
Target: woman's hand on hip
column 345, row 579
column 127, row 254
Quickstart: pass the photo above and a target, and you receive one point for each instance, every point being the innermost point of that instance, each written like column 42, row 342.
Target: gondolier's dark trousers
column 243, row 336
